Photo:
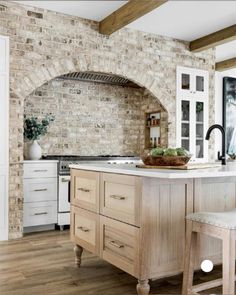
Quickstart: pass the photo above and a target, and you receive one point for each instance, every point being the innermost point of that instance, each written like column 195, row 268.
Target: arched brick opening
column 24, row 86
column 55, row 68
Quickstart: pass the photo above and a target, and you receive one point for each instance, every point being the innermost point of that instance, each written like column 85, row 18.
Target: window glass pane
column 185, row 110
column 185, row 144
column 185, row 81
column 200, row 83
column 199, row 129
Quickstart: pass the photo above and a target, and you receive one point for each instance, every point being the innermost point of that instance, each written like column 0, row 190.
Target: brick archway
column 48, row 71
column 24, row 86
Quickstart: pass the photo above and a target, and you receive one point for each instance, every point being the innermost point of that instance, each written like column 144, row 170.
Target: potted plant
column 33, row 130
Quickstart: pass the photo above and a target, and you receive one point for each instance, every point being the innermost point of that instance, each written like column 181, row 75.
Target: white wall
column 219, row 103
column 4, row 135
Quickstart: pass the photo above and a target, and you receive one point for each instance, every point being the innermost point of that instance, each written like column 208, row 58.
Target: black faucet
column 217, row 126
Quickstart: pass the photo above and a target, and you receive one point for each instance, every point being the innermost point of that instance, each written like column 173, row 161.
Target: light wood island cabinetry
column 138, row 223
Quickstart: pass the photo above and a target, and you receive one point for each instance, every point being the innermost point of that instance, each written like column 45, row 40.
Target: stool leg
column 190, row 253
column 228, row 264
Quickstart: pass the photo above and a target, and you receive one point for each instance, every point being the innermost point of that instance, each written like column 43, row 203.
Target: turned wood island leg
column 78, row 253
column 143, row 287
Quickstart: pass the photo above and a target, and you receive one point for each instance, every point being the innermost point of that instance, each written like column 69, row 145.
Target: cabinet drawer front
column 120, row 197
column 119, row 244
column 85, row 190
column 37, row 190
column 85, row 229
column 41, row 170
column 40, row 213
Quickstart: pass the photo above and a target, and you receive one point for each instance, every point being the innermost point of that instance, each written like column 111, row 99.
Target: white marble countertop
column 39, row 161
column 131, row 169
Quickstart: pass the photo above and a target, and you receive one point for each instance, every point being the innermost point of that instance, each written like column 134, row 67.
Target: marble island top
column 131, row 169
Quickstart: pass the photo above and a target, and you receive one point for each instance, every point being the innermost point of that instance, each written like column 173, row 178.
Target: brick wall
column 93, row 118
column 45, row 44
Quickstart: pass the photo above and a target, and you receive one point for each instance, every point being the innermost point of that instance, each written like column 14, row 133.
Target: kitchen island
column 135, row 218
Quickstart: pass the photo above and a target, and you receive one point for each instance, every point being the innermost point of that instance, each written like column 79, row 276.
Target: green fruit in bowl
column 170, row 152
column 157, row 152
column 182, row 152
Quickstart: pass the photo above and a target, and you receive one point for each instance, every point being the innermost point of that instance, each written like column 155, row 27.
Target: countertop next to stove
column 131, row 169
column 39, row 161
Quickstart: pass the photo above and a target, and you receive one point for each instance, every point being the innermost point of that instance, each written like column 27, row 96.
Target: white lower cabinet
column 40, row 193
column 40, row 213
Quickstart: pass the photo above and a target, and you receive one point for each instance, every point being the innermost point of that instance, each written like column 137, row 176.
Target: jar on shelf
column 153, row 120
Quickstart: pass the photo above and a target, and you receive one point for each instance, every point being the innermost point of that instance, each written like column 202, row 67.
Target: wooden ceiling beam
column 217, row 38
column 226, row 64
column 126, row 14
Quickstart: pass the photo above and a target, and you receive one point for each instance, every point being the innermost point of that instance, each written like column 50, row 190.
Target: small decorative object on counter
column 166, row 157
column 33, row 129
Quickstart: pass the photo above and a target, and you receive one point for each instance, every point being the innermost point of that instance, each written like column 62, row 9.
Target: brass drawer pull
column 84, row 229
column 41, row 190
column 40, row 170
column 117, row 197
column 41, row 213
column 65, row 180
column 117, row 245
column 85, row 190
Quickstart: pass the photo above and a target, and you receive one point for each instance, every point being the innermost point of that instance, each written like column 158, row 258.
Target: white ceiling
column 94, row 10
column 185, row 20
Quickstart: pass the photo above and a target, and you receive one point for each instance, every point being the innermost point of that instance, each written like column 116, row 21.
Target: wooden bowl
column 165, row 160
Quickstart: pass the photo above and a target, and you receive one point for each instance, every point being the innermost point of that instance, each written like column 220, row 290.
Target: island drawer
column 85, row 189
column 40, row 213
column 120, row 197
column 42, row 170
column 40, row 189
column 119, row 244
column 85, row 229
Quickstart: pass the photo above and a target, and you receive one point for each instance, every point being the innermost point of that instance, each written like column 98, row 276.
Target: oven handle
column 69, row 191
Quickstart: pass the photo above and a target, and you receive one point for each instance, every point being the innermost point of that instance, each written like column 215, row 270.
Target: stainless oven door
column 64, row 191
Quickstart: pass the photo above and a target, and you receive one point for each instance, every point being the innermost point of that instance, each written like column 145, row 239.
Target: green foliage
column 170, row 152
column 181, row 152
column 34, row 128
column 199, row 107
column 157, row 152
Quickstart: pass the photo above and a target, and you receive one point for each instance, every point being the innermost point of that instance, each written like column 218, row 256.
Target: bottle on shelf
column 151, row 142
column 148, row 121
column 153, row 120
column 155, row 142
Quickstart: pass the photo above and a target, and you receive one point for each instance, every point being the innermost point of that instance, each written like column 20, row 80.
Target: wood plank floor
column 43, row 263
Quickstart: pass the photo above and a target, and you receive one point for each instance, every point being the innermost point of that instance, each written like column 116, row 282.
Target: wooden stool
column 218, row 225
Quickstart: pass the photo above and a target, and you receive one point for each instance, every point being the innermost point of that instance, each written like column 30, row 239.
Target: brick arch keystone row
column 54, row 68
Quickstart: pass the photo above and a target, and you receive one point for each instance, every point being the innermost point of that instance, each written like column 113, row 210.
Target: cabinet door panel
column 213, row 195
column 84, row 229
column 38, row 190
column 119, row 244
column 120, row 197
column 164, row 207
column 85, row 189
column 40, row 213
column 192, row 112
